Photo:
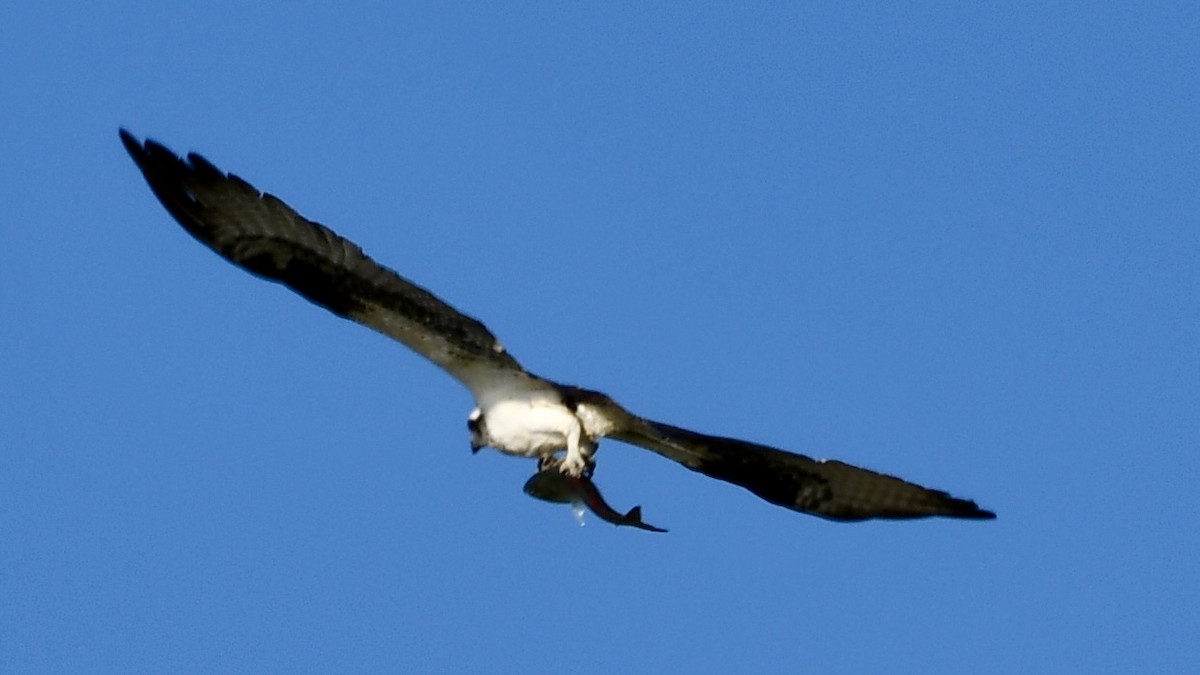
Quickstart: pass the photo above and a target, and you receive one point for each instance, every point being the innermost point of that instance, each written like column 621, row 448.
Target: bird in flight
column 516, row 412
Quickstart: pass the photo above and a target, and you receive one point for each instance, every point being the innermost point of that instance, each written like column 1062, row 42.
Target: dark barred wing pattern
column 829, row 489
column 265, row 236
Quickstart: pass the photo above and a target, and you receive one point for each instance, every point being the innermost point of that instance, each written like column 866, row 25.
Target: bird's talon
column 575, row 467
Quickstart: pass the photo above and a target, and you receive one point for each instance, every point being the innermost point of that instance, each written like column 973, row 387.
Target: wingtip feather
column 972, row 511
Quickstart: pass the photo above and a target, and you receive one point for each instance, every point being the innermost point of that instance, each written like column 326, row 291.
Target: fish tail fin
column 634, row 518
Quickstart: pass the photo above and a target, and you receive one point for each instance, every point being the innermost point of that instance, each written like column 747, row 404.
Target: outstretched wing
column 829, row 488
column 264, row 236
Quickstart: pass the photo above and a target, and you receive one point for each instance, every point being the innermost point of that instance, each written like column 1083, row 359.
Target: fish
column 551, row 485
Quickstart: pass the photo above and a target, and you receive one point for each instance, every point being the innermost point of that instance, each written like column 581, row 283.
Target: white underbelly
column 529, row 428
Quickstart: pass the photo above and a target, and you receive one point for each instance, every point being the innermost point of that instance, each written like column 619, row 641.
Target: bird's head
column 476, row 427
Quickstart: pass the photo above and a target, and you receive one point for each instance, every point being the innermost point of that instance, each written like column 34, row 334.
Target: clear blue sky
column 958, row 244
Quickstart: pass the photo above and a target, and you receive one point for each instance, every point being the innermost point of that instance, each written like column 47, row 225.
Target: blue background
column 955, row 243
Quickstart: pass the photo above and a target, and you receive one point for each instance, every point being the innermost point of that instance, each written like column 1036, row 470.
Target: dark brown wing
column 829, row 489
column 264, row 236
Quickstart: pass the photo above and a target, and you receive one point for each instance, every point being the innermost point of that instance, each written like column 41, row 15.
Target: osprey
column 517, row 412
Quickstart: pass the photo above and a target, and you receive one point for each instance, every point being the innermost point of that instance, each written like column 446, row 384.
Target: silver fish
column 551, row 485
